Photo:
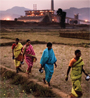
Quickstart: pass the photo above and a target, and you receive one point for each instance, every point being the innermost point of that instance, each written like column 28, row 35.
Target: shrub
column 37, row 90
column 18, row 80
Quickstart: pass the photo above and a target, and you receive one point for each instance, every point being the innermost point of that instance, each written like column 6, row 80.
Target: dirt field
column 63, row 54
column 5, row 40
column 47, row 36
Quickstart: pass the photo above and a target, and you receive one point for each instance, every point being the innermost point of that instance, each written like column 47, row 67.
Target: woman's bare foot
column 72, row 96
column 44, row 81
column 49, row 85
column 27, row 73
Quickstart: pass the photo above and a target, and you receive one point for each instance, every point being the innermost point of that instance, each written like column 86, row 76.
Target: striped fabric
column 29, row 59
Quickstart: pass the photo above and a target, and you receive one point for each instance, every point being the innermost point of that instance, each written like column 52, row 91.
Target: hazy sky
column 44, row 4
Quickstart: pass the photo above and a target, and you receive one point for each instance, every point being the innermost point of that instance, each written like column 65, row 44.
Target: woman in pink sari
column 29, row 55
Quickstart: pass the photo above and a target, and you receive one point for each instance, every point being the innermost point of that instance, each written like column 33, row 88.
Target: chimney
column 52, row 5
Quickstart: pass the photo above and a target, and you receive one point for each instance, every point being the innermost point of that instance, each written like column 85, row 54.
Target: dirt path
column 56, row 91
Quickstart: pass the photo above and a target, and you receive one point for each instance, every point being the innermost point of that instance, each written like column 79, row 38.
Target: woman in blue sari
column 48, row 60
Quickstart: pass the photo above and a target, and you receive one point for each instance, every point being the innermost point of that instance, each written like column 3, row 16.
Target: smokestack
column 52, row 5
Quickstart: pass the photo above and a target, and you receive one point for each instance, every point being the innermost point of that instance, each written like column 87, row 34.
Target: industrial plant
column 40, row 15
column 48, row 16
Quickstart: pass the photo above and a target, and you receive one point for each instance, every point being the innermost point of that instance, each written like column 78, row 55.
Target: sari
column 29, row 56
column 47, row 61
column 76, row 74
column 17, row 51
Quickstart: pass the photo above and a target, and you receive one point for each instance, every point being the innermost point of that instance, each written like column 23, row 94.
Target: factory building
column 40, row 15
column 47, row 16
column 75, row 20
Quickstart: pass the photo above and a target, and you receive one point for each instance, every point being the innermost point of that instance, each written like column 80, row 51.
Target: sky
column 44, row 4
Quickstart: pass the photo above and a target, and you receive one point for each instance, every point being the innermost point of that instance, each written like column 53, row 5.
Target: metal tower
column 52, row 5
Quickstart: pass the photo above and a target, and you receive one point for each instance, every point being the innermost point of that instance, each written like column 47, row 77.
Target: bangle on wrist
column 86, row 73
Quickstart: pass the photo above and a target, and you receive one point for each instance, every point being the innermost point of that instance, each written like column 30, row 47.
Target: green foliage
column 86, row 46
column 18, row 80
column 29, row 87
column 8, row 74
column 37, row 90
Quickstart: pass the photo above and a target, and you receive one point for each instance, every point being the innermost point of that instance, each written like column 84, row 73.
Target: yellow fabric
column 74, row 93
column 76, row 74
column 76, row 71
column 76, row 87
column 17, row 49
column 17, row 63
column 30, row 55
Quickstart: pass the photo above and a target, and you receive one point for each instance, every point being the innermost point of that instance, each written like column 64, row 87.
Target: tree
column 62, row 15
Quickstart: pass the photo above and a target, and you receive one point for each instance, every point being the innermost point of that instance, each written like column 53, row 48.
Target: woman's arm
column 84, row 71
column 67, row 73
column 24, row 50
column 55, row 64
column 12, row 53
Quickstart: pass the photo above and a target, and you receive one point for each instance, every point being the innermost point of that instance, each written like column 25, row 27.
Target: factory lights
column 52, row 19
column 86, row 20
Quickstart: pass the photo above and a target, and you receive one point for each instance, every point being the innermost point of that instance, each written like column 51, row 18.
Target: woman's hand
column 66, row 78
column 36, row 58
column 13, row 57
column 55, row 65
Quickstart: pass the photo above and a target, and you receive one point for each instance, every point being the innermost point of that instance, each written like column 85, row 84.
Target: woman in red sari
column 29, row 55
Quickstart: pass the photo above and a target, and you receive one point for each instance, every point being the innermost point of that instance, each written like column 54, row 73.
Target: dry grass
column 47, row 36
column 5, row 40
column 63, row 54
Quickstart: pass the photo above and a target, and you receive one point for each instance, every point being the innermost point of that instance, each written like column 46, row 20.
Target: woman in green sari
column 76, row 73
column 16, row 54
